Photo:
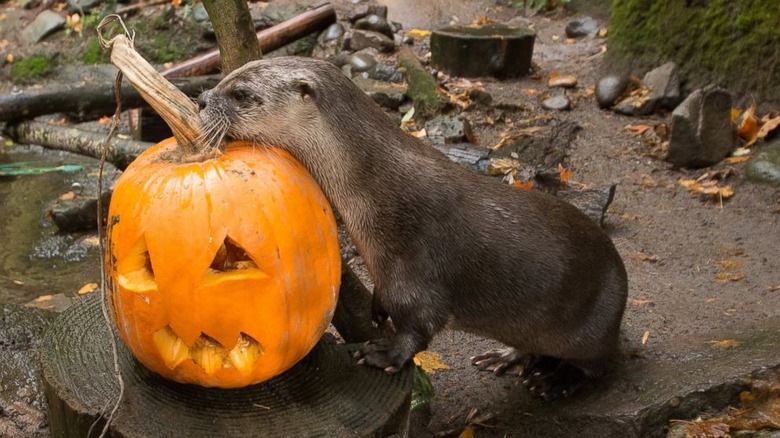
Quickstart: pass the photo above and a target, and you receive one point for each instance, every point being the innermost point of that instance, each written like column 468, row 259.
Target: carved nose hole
column 231, row 257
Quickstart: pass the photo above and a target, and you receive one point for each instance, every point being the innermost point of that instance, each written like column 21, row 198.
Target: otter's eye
column 239, row 95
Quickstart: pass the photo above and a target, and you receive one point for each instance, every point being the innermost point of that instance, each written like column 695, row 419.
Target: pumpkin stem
column 178, row 110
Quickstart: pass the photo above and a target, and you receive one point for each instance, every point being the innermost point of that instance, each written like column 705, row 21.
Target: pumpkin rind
column 167, row 222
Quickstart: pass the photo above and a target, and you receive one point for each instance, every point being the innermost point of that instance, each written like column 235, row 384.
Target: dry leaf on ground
column 430, row 362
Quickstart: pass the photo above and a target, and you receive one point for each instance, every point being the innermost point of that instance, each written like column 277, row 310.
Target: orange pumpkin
column 224, row 272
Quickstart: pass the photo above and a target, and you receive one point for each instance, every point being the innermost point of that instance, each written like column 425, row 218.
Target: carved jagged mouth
column 208, row 353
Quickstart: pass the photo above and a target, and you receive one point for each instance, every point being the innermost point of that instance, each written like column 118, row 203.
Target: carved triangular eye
column 231, row 257
column 135, row 272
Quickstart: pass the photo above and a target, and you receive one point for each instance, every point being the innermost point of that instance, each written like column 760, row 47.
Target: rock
column 764, row 167
column 663, row 87
column 78, row 214
column 701, row 133
column 447, row 129
column 593, row 202
column 333, row 32
column 375, row 23
column 82, row 5
column 465, row 154
column 387, row 73
column 365, row 10
column 563, row 81
column 481, row 97
column 199, row 13
column 610, row 88
column 43, row 25
column 362, row 39
column 557, row 103
column 361, row 62
column 385, row 94
column 581, row 27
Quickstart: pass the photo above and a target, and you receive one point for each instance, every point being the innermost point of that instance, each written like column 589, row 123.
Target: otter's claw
column 382, row 353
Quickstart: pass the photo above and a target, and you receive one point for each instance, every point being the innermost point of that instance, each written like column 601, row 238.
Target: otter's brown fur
column 444, row 246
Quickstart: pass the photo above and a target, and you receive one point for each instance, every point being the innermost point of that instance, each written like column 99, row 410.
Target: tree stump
column 490, row 50
column 326, row 394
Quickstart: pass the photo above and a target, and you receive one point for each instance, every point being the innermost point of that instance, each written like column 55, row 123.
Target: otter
column 445, row 246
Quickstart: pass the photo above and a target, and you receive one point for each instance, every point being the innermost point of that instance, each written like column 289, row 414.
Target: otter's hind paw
column 505, row 360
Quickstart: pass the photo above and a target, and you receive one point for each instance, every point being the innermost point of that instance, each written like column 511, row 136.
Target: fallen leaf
column 429, row 362
column 564, row 174
column 644, row 257
column 748, row 125
column 530, row 91
column 726, row 343
column 87, row 288
column 9, row 58
column 104, row 120
column 770, row 122
column 731, row 250
column 636, row 129
column 419, row 134
column 645, row 337
column 603, row 32
column 523, row 185
column 724, row 277
column 418, row 33
column 736, row 160
column 91, row 241
column 728, row 264
column 67, row 196
column 18, row 282
column 639, row 301
column 468, row 432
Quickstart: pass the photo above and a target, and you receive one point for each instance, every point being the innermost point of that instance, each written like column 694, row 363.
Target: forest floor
column 704, row 297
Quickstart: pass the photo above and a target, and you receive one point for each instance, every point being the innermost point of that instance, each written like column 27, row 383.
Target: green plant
column 33, row 67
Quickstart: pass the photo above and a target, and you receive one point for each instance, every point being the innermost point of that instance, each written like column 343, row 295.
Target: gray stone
column 333, row 32
column 362, row 39
column 361, row 62
column 557, row 103
column 199, row 13
column 764, row 167
column 593, row 202
column 375, row 23
column 610, row 88
column 581, row 27
column 448, row 129
column 465, row 154
column 387, row 73
column 43, row 25
column 701, row 132
column 78, row 214
column 386, row 95
column 365, row 10
column 664, row 93
column 82, row 5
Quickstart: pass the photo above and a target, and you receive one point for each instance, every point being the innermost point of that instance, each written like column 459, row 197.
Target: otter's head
column 271, row 101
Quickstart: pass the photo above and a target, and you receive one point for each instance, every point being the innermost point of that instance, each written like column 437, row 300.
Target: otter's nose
column 202, row 99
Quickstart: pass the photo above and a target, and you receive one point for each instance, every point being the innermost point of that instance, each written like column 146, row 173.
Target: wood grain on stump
column 490, row 50
column 326, row 394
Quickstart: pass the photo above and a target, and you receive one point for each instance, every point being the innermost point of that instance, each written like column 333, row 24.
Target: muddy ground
column 680, row 251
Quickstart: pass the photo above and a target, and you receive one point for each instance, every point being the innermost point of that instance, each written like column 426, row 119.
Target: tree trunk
column 234, row 31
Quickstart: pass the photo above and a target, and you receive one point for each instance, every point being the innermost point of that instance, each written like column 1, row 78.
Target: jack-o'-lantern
column 223, row 272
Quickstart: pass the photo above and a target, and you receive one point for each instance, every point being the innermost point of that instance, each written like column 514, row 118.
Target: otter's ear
column 306, row 90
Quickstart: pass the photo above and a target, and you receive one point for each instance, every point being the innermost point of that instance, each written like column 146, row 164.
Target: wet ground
column 700, row 272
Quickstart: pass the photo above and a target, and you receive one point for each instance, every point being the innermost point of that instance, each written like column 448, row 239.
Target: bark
column 121, row 151
column 234, row 31
column 87, row 101
column 269, row 39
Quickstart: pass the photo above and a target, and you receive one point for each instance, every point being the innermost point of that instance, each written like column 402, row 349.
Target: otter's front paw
column 383, row 353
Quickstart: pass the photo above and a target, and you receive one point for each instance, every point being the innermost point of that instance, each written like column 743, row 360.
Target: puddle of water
column 35, row 258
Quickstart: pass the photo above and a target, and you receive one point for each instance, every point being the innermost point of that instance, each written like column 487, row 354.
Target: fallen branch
column 88, row 101
column 68, row 138
column 270, row 39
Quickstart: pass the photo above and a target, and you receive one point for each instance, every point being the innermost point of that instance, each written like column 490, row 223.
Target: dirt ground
column 700, row 271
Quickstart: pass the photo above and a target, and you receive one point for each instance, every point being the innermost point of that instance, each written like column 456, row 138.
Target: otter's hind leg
column 544, row 376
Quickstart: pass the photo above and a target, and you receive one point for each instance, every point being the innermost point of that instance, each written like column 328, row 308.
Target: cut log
column 490, row 50
column 325, row 394
column 121, row 151
column 89, row 100
column 270, row 39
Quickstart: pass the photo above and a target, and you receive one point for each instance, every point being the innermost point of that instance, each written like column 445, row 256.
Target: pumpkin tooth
column 170, row 346
column 245, row 354
column 208, row 354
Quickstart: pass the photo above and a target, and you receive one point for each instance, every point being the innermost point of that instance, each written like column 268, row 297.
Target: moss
column 94, row 54
column 733, row 44
column 33, row 67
